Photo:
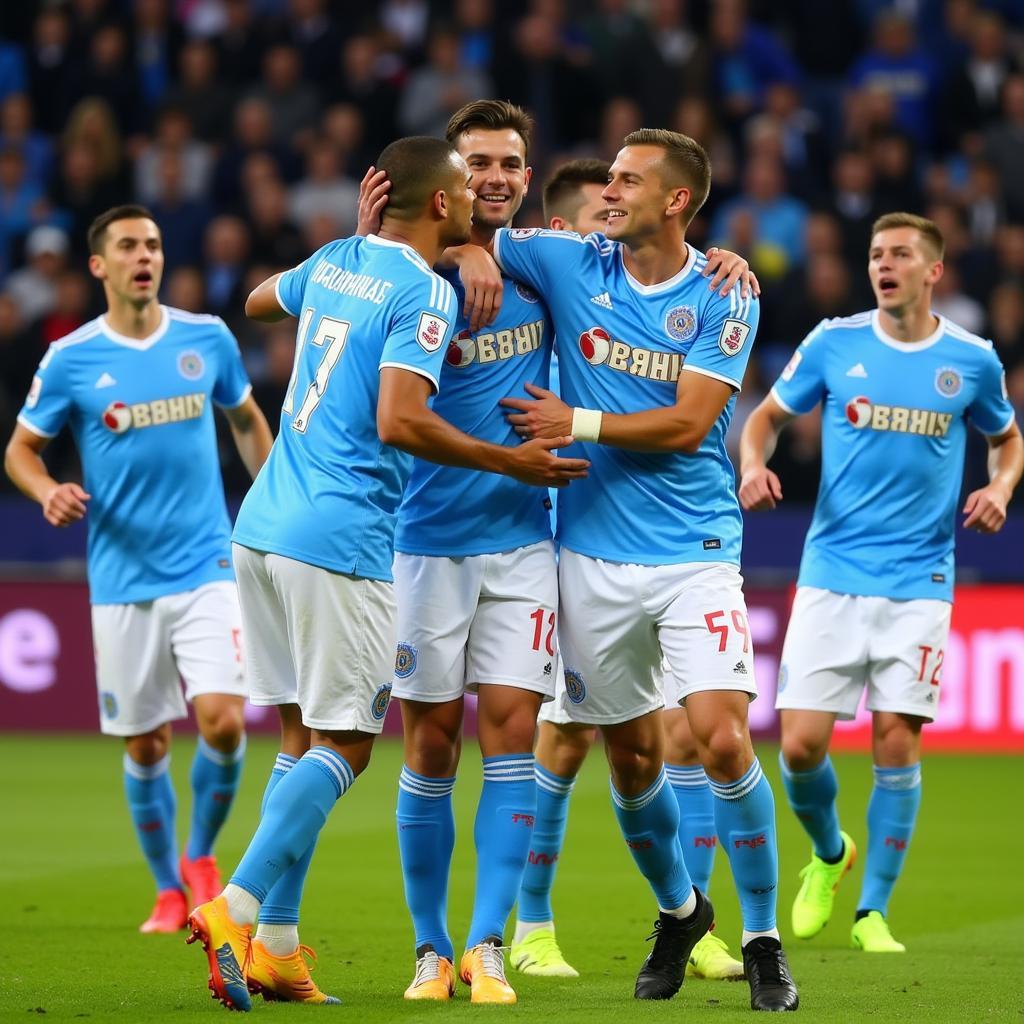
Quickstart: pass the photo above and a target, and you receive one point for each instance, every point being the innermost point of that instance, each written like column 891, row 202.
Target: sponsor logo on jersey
column 948, row 382
column 681, row 323
column 190, row 365
column 733, row 337
column 430, row 331
column 119, row 417
column 491, row 346
column 863, row 413
column 604, row 300
column 526, row 293
column 521, row 234
column 381, row 699
column 575, row 687
column 34, row 390
column 405, row 660
column 600, row 349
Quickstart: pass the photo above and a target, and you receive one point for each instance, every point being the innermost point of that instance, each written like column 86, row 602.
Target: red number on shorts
column 940, row 654
column 236, row 639
column 538, row 630
column 739, row 623
column 722, row 630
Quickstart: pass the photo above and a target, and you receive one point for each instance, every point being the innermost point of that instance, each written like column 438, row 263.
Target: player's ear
column 97, row 267
column 527, row 177
column 558, row 224
column 678, row 200
column 440, row 204
column 938, row 268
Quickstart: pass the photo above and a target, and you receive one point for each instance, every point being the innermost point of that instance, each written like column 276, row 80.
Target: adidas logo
column 857, row 371
column 105, row 381
column 740, row 668
column 604, row 300
column 547, row 669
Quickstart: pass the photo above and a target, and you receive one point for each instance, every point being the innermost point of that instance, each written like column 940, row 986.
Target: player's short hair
column 686, row 163
column 491, row 115
column 417, row 167
column 96, row 236
column 563, row 196
column 927, row 229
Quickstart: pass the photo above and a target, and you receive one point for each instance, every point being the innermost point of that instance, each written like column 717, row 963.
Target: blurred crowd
column 245, row 126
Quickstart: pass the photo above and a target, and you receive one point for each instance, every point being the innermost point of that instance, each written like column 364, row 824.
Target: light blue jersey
column 140, row 412
column 455, row 512
column 330, row 489
column 621, row 348
column 894, row 425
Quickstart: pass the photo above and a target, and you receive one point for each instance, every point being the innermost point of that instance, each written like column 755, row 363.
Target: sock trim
column 147, row 772
column 509, row 768
column 221, row 757
column 333, row 765
column 741, row 787
column 898, row 778
column 641, row 800
column 284, row 764
column 558, row 785
column 686, row 777
column 424, row 786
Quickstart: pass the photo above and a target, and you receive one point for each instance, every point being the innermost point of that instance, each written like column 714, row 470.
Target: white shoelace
column 492, row 960
column 428, row 968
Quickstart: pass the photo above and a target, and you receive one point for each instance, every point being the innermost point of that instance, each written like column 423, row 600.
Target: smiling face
column 499, row 175
column 638, row 200
column 902, row 268
column 131, row 262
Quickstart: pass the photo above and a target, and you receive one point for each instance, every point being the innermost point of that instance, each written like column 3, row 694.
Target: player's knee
column 727, row 752
column 148, row 748
column 432, row 752
column 633, row 768
column 223, row 730
column 802, row 752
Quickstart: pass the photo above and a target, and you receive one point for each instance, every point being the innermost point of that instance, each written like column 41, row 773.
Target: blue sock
column 745, row 821
column 696, row 821
column 650, row 826
column 502, row 833
column 892, row 813
column 812, row 795
column 282, row 902
column 553, row 792
column 426, row 839
column 295, row 813
column 151, row 801
column 214, row 783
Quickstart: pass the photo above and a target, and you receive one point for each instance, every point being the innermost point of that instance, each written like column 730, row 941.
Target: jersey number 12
column 330, row 332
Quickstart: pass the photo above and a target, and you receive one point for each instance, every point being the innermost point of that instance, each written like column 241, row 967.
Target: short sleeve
column 291, row 285
column 990, row 409
column 538, row 257
column 48, row 403
column 232, row 387
column 801, row 385
column 421, row 327
column 722, row 348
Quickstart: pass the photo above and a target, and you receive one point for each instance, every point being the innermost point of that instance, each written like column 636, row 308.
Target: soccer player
column 136, row 386
column 650, row 363
column 873, row 599
column 573, row 201
column 314, row 539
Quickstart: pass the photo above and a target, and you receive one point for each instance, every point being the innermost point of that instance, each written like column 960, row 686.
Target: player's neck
column 483, row 235
column 653, row 262
column 908, row 325
column 131, row 320
column 426, row 243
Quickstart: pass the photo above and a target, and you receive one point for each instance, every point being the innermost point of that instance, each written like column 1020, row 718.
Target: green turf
column 73, row 889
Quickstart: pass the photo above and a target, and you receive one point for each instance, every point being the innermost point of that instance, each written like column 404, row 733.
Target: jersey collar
column 661, row 286
column 140, row 344
column 377, row 240
column 907, row 346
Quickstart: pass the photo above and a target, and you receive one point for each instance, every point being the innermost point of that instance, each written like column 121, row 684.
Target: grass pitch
column 73, row 889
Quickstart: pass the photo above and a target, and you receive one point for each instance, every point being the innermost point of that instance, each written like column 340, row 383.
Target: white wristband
column 586, row 424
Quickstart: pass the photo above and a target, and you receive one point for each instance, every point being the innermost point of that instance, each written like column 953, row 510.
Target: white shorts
column 475, row 620
column 621, row 623
column 320, row 639
column 557, row 711
column 144, row 651
column 836, row 644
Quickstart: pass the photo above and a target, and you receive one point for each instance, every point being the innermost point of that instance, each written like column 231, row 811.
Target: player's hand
column 545, row 415
column 482, row 280
column 728, row 268
column 533, row 463
column 373, row 197
column 65, row 504
column 760, row 490
column 986, row 509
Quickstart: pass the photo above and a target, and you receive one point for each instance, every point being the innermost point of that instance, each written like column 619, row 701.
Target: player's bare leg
column 560, row 752
column 745, row 824
column 710, row 957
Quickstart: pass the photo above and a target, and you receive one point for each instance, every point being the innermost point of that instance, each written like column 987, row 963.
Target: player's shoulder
column 838, row 329
column 964, row 340
column 734, row 304
column 71, row 343
column 563, row 242
column 185, row 318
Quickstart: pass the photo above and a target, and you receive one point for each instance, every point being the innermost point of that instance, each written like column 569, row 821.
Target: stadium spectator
column 324, row 188
column 182, row 218
column 21, row 203
column 199, row 92
column 33, row 287
column 52, row 65
column 226, row 250
column 1006, row 323
column 274, row 238
column 293, row 104
column 107, row 72
column 1004, row 146
column 367, row 91
column 185, row 289
column 475, row 25
column 240, row 37
column 17, row 132
column 72, row 302
column 253, row 133
column 173, row 136
column 156, row 41
column 316, row 36
column 18, row 357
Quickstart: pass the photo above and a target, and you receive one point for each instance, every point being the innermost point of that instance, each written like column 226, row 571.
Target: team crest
column 430, row 331
column 521, row 234
column 108, row 702
column 190, row 365
column 783, row 678
column 948, row 382
column 575, row 687
column 733, row 337
column 790, row 368
column 681, row 323
column 405, row 660
column 381, row 699
column 32, row 398
column 526, row 293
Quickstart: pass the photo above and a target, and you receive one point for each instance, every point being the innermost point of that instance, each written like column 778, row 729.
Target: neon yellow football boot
column 538, row 954
column 711, row 959
column 812, row 907
column 871, row 934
